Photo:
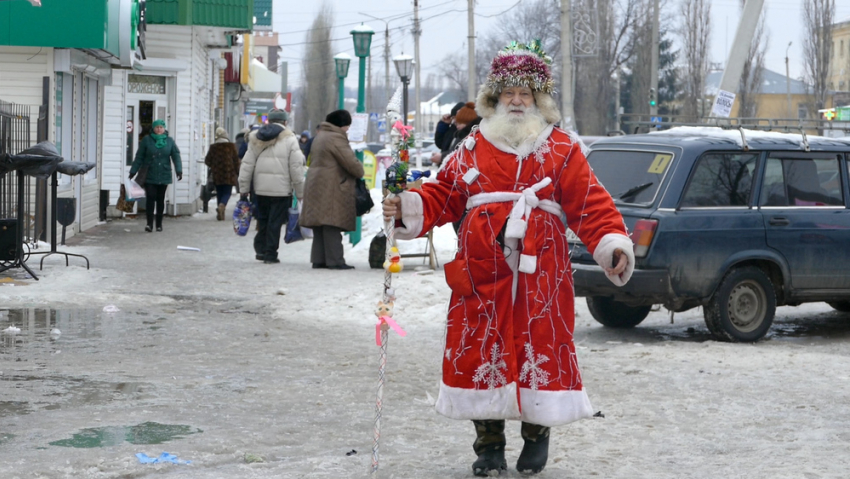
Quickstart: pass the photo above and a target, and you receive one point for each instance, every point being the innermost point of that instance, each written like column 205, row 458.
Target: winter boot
column 535, row 452
column 490, row 448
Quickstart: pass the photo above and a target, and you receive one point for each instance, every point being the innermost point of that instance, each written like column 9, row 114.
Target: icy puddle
column 145, row 433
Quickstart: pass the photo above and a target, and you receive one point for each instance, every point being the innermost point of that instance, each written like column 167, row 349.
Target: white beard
column 515, row 130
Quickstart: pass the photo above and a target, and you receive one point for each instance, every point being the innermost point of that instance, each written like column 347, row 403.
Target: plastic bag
column 133, row 190
column 305, row 232
column 293, row 233
column 242, row 217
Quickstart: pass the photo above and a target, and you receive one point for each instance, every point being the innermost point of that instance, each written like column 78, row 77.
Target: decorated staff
column 396, row 182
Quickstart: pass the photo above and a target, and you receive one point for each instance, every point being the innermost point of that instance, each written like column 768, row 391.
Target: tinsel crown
column 521, row 65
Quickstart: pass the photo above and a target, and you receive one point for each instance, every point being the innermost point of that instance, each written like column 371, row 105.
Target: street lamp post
column 342, row 61
column 404, row 67
column 362, row 35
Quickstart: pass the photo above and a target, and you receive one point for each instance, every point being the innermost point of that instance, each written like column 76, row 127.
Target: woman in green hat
column 156, row 153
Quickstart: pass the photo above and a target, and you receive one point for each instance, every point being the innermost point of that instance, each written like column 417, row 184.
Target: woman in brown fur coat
column 223, row 161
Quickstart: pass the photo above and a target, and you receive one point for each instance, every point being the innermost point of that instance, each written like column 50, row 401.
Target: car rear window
column 630, row 176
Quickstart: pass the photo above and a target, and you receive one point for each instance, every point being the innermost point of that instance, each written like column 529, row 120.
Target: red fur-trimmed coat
column 509, row 352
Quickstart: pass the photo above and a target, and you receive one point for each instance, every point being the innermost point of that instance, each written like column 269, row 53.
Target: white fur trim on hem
column 412, row 216
column 554, row 408
column 604, row 255
column 460, row 403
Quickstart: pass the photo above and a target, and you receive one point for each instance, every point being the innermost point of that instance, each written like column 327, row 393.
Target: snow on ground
column 278, row 362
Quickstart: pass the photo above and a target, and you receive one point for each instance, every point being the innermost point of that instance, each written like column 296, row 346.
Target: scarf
column 160, row 139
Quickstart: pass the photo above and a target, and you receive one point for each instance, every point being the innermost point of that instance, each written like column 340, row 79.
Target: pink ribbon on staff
column 390, row 323
column 403, row 129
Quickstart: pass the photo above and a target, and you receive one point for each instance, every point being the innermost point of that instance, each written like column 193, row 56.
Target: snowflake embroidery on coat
column 448, row 353
column 531, row 369
column 541, row 153
column 490, row 372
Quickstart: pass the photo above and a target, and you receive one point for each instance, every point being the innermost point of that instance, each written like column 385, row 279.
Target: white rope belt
column 524, row 201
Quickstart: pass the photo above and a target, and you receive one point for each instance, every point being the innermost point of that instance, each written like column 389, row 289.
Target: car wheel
column 843, row 306
column 743, row 307
column 615, row 314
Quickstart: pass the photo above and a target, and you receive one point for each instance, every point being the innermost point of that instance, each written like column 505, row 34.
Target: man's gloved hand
column 179, row 176
column 131, row 176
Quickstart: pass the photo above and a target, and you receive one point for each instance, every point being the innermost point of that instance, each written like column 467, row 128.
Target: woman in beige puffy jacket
column 273, row 168
column 329, row 207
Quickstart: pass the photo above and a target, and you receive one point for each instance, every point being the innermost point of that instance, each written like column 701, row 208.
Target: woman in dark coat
column 223, row 161
column 156, row 153
column 329, row 206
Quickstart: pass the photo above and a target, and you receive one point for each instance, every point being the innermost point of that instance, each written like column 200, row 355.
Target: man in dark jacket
column 445, row 131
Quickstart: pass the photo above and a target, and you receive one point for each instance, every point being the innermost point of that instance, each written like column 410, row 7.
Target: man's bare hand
column 392, row 208
column 620, row 262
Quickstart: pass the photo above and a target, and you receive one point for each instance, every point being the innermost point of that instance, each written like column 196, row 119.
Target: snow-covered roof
column 693, row 133
column 772, row 84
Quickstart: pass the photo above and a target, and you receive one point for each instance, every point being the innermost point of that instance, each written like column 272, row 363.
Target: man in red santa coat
column 509, row 338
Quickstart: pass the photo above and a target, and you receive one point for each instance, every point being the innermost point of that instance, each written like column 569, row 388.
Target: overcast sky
column 444, row 29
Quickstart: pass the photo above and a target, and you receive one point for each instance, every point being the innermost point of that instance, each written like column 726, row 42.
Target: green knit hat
column 278, row 116
column 158, row 123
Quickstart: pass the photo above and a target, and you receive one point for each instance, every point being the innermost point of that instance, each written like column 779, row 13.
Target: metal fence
column 16, row 123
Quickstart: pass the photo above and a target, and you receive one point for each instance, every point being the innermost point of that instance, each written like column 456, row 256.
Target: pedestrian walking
column 274, row 165
column 223, row 161
column 304, row 142
column 509, row 350
column 329, row 206
column 153, row 160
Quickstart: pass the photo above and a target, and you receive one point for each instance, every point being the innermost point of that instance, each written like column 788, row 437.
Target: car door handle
column 779, row 221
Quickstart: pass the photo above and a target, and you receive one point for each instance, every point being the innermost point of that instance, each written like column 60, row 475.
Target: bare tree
column 818, row 17
column 618, row 26
column 695, row 31
column 318, row 94
column 753, row 72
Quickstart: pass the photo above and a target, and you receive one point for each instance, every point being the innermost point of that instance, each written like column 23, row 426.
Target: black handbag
column 142, row 176
column 362, row 197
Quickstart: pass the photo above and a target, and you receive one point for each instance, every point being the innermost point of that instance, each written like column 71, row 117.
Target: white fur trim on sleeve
column 604, row 252
column 412, row 216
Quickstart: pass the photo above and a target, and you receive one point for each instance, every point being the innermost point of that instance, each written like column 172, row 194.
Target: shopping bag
column 133, row 190
column 123, row 204
column 242, row 217
column 305, row 232
column 293, row 232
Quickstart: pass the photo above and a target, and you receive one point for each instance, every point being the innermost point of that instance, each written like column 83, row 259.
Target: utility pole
column 653, row 68
column 788, row 80
column 470, row 82
column 387, row 88
column 418, row 125
column 568, row 121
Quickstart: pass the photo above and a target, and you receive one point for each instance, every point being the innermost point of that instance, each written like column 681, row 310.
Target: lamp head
column 362, row 40
column 342, row 61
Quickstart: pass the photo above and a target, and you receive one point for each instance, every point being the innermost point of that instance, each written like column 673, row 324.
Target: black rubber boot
column 490, row 447
column 535, row 452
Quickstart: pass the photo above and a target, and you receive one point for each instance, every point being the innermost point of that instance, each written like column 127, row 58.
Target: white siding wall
column 180, row 42
column 114, row 136
column 21, row 73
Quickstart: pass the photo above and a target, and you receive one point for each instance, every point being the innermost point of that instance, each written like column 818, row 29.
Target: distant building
column 772, row 97
column 839, row 62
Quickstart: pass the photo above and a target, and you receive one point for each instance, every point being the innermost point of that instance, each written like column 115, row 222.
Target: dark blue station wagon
column 736, row 221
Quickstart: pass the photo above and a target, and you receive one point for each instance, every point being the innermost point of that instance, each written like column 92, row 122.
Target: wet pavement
column 252, row 370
